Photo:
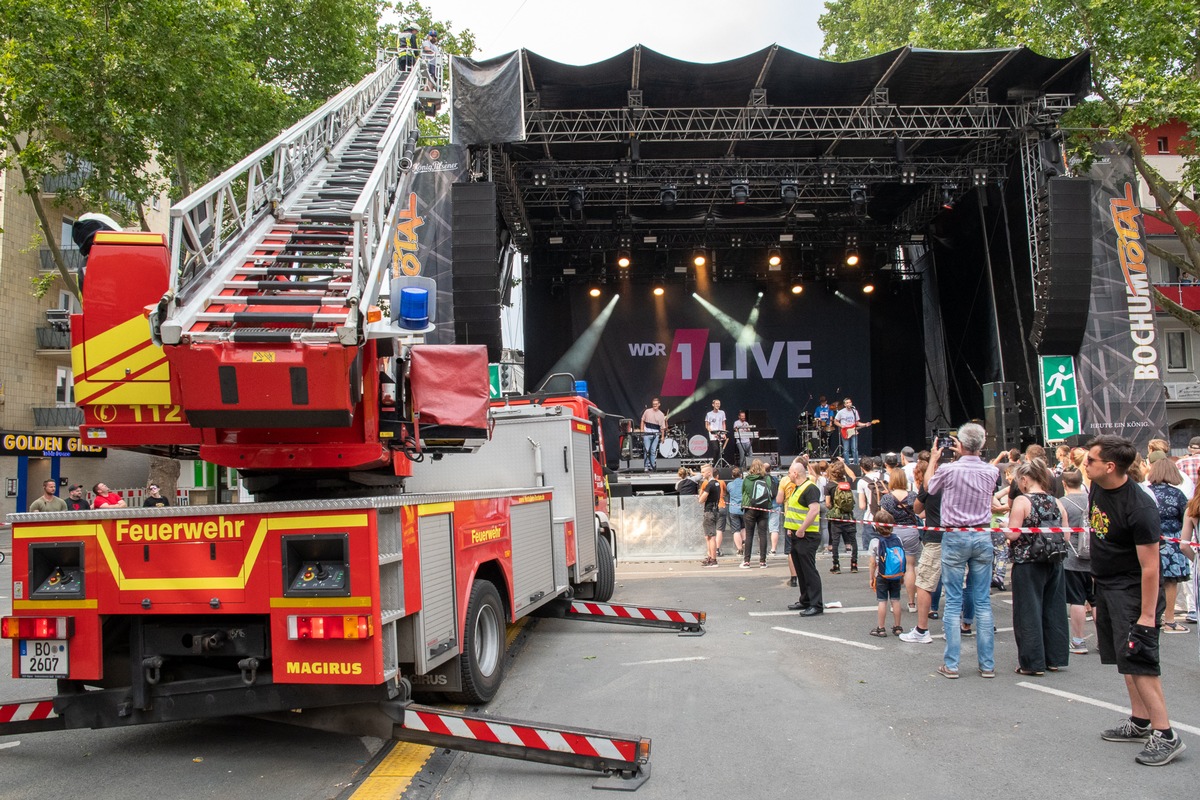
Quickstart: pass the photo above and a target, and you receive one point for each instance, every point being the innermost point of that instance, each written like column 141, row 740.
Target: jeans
column 968, row 553
column 651, row 455
column 756, row 525
column 850, row 450
column 743, row 449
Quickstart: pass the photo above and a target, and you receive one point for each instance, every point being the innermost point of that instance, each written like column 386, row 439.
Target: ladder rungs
column 277, row 300
column 269, row 318
column 322, row 271
column 268, row 285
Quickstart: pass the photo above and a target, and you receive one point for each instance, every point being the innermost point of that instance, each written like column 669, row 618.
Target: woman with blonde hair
column 1173, row 564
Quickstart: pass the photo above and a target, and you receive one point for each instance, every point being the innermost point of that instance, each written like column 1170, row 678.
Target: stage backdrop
column 689, row 354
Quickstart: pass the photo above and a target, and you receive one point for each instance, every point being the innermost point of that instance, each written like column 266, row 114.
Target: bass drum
column 698, row 445
column 668, row 448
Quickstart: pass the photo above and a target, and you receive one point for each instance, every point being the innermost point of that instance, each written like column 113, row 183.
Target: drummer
column 654, row 422
column 824, row 417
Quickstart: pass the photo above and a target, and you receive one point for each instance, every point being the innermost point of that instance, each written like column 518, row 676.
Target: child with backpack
column 887, row 563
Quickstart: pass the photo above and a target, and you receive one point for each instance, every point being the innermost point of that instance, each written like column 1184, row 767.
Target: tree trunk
column 164, row 473
column 35, row 197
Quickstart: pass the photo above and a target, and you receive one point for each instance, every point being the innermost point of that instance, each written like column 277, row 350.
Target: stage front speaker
column 1063, row 281
column 476, row 269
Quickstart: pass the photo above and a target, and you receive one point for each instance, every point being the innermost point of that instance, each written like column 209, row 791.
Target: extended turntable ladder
column 277, row 263
column 291, row 254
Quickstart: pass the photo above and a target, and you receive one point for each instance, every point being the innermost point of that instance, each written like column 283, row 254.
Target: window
column 1163, row 145
column 1178, row 351
column 64, row 387
column 155, row 203
column 67, row 300
column 64, row 238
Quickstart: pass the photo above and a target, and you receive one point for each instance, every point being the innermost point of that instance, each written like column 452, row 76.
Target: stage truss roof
column 898, row 132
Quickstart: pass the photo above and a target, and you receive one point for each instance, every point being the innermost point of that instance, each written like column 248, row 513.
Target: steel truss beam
column 801, row 124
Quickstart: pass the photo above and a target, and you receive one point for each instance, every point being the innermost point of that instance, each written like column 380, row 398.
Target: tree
column 1145, row 58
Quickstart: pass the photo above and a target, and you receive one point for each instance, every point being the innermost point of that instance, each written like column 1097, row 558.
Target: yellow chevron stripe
column 117, row 340
column 130, row 393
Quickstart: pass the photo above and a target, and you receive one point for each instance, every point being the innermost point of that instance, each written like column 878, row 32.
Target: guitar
column 852, row 430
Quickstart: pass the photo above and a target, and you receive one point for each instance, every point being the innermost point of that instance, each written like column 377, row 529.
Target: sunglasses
column 1091, row 460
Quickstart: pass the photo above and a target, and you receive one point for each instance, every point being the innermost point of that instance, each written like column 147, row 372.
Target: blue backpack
column 890, row 561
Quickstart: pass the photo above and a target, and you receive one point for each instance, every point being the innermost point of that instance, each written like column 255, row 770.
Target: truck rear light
column 330, row 627
column 37, row 627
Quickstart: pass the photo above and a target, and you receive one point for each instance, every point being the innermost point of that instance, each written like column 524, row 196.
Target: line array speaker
column 1063, row 282
column 1000, row 416
column 476, row 270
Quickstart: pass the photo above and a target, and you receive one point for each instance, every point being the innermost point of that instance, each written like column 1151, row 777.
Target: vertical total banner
column 1121, row 391
column 424, row 229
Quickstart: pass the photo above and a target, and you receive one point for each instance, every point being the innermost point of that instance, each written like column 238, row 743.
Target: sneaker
column 762, row 565
column 835, row 569
column 710, row 562
column 934, row 615
column 968, row 632
column 745, row 565
column 912, row 608
column 1079, row 647
column 719, row 552
column 1159, row 751
column 1127, row 732
column 772, row 552
column 853, row 568
column 913, row 637
column 1190, row 618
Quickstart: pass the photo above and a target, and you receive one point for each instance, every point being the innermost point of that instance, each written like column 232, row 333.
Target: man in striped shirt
column 966, row 488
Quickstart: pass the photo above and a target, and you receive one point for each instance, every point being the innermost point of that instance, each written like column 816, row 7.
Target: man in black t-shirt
column 1129, row 595
column 710, row 501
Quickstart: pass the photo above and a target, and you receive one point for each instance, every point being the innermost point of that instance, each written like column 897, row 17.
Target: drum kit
column 674, row 440
column 813, row 436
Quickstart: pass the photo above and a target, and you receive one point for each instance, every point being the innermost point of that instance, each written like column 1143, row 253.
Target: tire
column 481, row 664
column 606, row 571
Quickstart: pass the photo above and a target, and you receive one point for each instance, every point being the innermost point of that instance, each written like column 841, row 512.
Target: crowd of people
column 1100, row 534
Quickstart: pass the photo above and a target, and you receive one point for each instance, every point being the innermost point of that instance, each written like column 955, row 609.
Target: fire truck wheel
column 482, row 660
column 606, row 571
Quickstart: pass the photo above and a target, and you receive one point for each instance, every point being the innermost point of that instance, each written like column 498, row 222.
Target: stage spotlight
column 575, row 197
column 739, row 190
column 789, row 191
column 623, row 258
column 668, row 195
column 852, row 256
column 659, row 291
column 797, row 287
column 774, row 257
column 858, row 196
column 594, row 291
column 948, row 197
column 700, row 257
column 868, row 285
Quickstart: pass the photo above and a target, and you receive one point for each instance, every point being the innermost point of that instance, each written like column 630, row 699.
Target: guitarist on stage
column 848, row 423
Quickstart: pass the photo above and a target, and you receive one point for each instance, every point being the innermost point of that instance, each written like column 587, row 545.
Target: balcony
column 58, row 418
column 53, row 343
column 1185, row 294
column 71, row 257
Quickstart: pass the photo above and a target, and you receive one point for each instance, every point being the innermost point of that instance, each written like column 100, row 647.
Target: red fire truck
column 402, row 519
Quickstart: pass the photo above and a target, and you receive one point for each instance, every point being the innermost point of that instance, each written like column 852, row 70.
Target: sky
column 578, row 32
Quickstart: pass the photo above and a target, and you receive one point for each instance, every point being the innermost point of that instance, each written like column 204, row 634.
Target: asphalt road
column 755, row 708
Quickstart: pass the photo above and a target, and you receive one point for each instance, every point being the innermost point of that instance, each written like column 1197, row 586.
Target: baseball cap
column 891, row 459
column 908, row 452
column 78, row 486
column 1195, row 442
column 1156, row 456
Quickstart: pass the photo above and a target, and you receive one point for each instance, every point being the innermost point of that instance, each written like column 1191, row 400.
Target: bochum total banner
column 772, row 355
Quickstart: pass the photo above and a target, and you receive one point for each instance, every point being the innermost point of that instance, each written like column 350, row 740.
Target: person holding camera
column 1129, row 596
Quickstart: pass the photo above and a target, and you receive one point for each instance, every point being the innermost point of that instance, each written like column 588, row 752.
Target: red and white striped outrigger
column 688, row 623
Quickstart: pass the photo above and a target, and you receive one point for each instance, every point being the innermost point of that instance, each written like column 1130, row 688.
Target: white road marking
column 1098, row 703
column 664, row 661
column 863, row 645
column 6, row 745
column 998, row 630
column 828, row 610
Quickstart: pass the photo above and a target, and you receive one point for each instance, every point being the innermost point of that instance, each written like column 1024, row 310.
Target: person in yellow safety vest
column 409, row 45
column 802, row 525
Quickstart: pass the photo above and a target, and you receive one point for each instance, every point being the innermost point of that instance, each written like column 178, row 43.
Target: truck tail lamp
column 330, row 627
column 37, row 627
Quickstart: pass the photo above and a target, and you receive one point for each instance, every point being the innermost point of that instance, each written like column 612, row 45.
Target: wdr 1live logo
column 685, row 360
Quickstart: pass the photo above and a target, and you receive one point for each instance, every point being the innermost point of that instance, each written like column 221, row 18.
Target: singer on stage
column 847, row 419
column 741, row 437
column 654, row 422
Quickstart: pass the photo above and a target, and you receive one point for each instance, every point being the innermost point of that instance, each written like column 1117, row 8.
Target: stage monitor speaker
column 476, row 269
column 1063, row 282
